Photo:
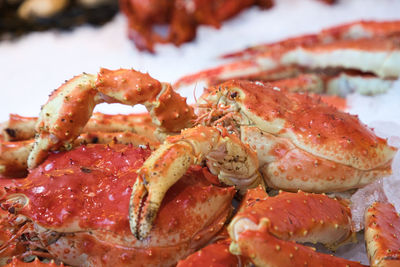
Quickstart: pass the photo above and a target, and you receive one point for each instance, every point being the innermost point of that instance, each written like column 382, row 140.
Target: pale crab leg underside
column 340, row 84
column 227, row 157
column 382, row 235
column 266, row 228
column 378, row 56
column 19, row 128
column 69, row 108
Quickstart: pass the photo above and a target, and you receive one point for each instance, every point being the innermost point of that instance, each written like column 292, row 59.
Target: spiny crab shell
column 302, row 143
column 78, row 204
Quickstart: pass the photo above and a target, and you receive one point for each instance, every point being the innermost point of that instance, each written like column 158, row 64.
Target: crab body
column 301, row 142
column 77, row 205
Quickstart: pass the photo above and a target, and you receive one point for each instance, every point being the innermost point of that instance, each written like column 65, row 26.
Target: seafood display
column 180, row 17
column 358, row 57
column 152, row 189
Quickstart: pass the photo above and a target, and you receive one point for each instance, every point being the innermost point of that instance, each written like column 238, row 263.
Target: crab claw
column 151, row 185
column 227, row 157
column 69, row 107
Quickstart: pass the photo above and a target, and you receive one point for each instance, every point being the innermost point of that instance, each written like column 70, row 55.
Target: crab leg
column 350, row 31
column 300, row 217
column 377, row 55
column 382, row 235
column 216, row 254
column 19, row 128
column 227, row 157
column 69, row 108
column 343, row 46
column 266, row 250
column 340, row 84
column 264, row 226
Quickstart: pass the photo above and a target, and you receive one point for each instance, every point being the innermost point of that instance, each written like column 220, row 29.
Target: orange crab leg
column 214, row 255
column 382, row 235
column 266, row 228
column 302, row 217
column 367, row 46
column 376, row 55
column 350, row 31
column 19, row 128
column 266, row 250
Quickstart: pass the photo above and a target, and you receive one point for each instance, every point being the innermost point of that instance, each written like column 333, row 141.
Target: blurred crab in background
column 358, row 57
column 180, row 17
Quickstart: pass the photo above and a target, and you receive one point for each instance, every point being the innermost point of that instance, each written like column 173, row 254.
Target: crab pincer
column 226, row 156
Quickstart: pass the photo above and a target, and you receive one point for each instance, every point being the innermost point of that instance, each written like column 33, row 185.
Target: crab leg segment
column 300, row 217
column 382, row 235
column 350, row 31
column 264, row 226
column 379, row 56
column 19, row 128
column 213, row 255
column 227, row 157
column 340, row 84
column 69, row 108
column 365, row 46
column 264, row 249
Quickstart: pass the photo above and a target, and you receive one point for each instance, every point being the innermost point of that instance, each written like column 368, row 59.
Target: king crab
column 337, row 154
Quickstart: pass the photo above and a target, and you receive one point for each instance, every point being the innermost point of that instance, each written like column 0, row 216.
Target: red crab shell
column 83, row 196
column 36, row 263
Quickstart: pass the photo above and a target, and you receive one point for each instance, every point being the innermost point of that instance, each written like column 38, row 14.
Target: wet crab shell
column 15, row 262
column 82, row 198
column 299, row 134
